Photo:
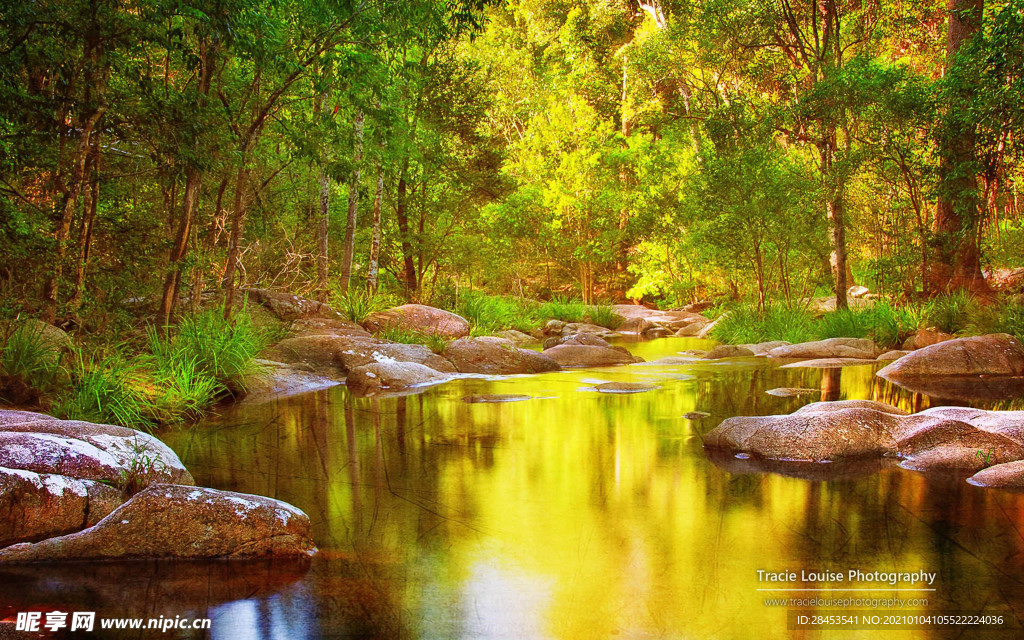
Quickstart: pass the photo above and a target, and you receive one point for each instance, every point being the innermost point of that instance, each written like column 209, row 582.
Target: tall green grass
column 432, row 341
column 746, row 324
column 1007, row 317
column 28, row 357
column 358, row 304
column 105, row 388
column 951, row 312
column 884, row 324
column 489, row 313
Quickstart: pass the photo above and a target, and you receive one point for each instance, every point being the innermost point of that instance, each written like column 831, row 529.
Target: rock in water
column 1009, row 475
column 997, row 354
column 625, row 387
column 175, row 521
column 790, row 392
column 830, row 348
column 496, row 356
column 728, row 351
column 418, row 317
column 391, row 376
column 574, row 355
column 496, row 398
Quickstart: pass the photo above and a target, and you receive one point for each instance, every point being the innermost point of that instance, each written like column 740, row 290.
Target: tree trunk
column 353, row 207
column 402, row 217
column 323, row 222
column 373, row 265
column 85, row 230
column 835, row 213
column 235, row 241
column 955, row 255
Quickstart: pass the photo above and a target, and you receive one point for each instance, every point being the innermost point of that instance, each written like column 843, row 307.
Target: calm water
column 570, row 515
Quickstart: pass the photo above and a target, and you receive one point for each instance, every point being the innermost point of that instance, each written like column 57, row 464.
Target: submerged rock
column 1009, row 475
column 790, row 392
column 830, row 348
column 828, row 363
column 418, row 317
column 336, row 356
column 696, row 415
column 728, row 351
column 496, row 398
column 574, row 355
column 496, row 356
column 392, row 376
column 277, row 379
column 625, row 387
column 175, row 521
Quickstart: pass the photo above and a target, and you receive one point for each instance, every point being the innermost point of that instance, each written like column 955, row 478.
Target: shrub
column 358, row 304
column 951, row 312
column 28, row 358
column 564, row 309
column 223, row 349
column 1007, row 317
column 487, row 314
column 746, row 324
column 104, row 389
column 883, row 323
column 605, row 316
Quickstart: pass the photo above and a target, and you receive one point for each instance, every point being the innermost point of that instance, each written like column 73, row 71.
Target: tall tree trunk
column 373, row 265
column 235, row 240
column 349, row 249
column 835, row 210
column 402, row 216
column 323, row 221
column 85, row 230
column 193, row 186
column 955, row 255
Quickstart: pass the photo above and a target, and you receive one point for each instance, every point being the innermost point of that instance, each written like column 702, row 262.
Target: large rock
column 89, row 451
column 817, row 432
column 763, row 348
column 286, row 307
column 944, row 438
column 1009, row 475
column 35, row 506
column 391, row 376
column 277, row 379
column 828, row 363
column 728, row 351
column 575, row 355
column 495, row 356
column 332, row 355
column 829, row 348
column 176, row 521
column 53, row 338
column 318, row 326
column 418, row 317
column 997, row 354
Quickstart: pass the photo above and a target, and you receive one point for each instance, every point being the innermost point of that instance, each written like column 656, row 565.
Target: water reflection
column 583, row 515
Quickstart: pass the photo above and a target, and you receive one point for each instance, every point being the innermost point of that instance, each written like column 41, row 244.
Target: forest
column 152, row 152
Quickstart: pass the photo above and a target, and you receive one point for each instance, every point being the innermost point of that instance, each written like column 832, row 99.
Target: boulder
column 554, row 328
column 35, row 506
column 392, row 376
column 708, row 328
column 1009, row 475
column 633, row 326
column 890, row 356
column 277, row 379
column 829, row 348
column 953, row 438
column 87, row 451
column 585, row 339
column 574, row 355
column 418, row 317
column 691, row 330
column 857, row 291
column 728, row 351
column 997, row 354
column 1009, row 279
column 335, row 356
column 317, row 326
column 514, row 336
column 586, row 327
column 287, row 307
column 925, row 338
column 53, row 338
column 625, row 387
column 696, row 415
column 762, row 348
column 181, row 522
column 496, row 356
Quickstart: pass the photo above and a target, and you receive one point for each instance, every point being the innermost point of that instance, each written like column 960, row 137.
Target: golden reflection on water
column 584, row 515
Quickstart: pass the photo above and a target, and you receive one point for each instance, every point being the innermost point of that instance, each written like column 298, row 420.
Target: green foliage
column 104, row 388
column 951, row 312
column 434, row 342
column 207, row 343
column 564, row 309
column 27, row 357
column 358, row 304
column 1006, row 317
column 489, row 314
column 884, row 324
column 604, row 316
column 745, row 324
